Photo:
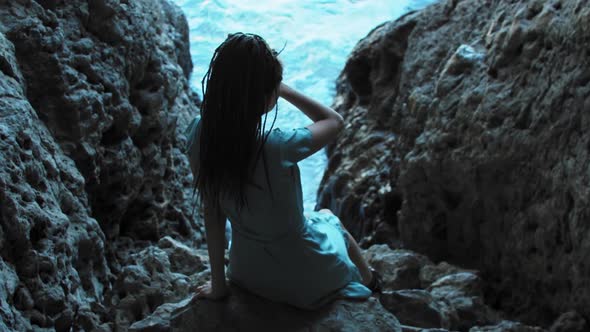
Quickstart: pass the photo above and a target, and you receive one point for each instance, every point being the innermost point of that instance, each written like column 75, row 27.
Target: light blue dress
column 276, row 251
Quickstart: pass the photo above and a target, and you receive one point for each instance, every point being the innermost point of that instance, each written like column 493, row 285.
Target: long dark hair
column 243, row 77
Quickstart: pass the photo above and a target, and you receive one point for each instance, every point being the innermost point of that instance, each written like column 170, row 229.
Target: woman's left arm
column 215, row 233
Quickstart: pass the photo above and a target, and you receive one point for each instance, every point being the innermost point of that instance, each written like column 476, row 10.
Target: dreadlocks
column 243, row 75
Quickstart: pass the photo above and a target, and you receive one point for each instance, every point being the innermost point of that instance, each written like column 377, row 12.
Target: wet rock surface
column 467, row 141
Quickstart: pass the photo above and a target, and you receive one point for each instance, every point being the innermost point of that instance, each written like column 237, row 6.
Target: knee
column 340, row 221
column 350, row 237
column 326, row 211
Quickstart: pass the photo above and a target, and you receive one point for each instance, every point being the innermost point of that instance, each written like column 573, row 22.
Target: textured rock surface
column 96, row 230
column 244, row 311
column 452, row 302
column 93, row 101
column 247, row 312
column 467, row 140
column 506, row 326
column 451, row 298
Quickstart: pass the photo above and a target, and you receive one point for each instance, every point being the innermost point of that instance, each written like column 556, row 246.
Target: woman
column 249, row 175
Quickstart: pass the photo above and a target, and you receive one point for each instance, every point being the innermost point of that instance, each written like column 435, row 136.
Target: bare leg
column 354, row 252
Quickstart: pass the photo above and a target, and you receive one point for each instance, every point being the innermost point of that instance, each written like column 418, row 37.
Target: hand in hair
column 327, row 123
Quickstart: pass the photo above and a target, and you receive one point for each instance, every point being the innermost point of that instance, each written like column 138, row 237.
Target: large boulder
column 467, row 140
column 94, row 98
column 422, row 294
column 52, row 252
column 247, row 312
column 453, row 302
column 109, row 81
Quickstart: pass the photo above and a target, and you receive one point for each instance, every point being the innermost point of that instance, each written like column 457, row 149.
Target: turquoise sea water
column 317, row 35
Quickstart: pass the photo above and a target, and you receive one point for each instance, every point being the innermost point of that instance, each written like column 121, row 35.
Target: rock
column 477, row 118
column 452, row 297
column 126, row 110
column 465, row 59
column 431, row 273
column 506, row 326
column 418, row 308
column 12, row 317
column 94, row 100
column 182, row 259
column 457, row 284
column 454, row 301
column 570, row 321
column 155, row 280
column 159, row 320
column 248, row 312
column 44, row 211
column 464, row 294
column 178, row 32
column 400, row 269
column 406, row 328
column 96, row 227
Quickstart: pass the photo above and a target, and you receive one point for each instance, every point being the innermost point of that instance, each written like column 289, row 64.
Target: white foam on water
column 318, row 34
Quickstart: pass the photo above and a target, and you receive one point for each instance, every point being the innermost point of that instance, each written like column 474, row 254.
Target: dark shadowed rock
column 452, row 302
column 415, row 307
column 430, row 273
column 570, row 321
column 421, row 294
column 108, row 79
column 243, row 311
column 464, row 294
column 506, row 326
column 400, row 269
column 52, row 251
column 94, row 99
column 154, row 279
column 467, row 140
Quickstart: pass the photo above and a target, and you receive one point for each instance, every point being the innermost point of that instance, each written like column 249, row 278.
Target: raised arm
column 327, row 122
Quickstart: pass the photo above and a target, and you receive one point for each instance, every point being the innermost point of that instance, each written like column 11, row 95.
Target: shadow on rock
column 244, row 311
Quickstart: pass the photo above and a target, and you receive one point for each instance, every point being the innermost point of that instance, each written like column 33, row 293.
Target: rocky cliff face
column 93, row 101
column 467, row 140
